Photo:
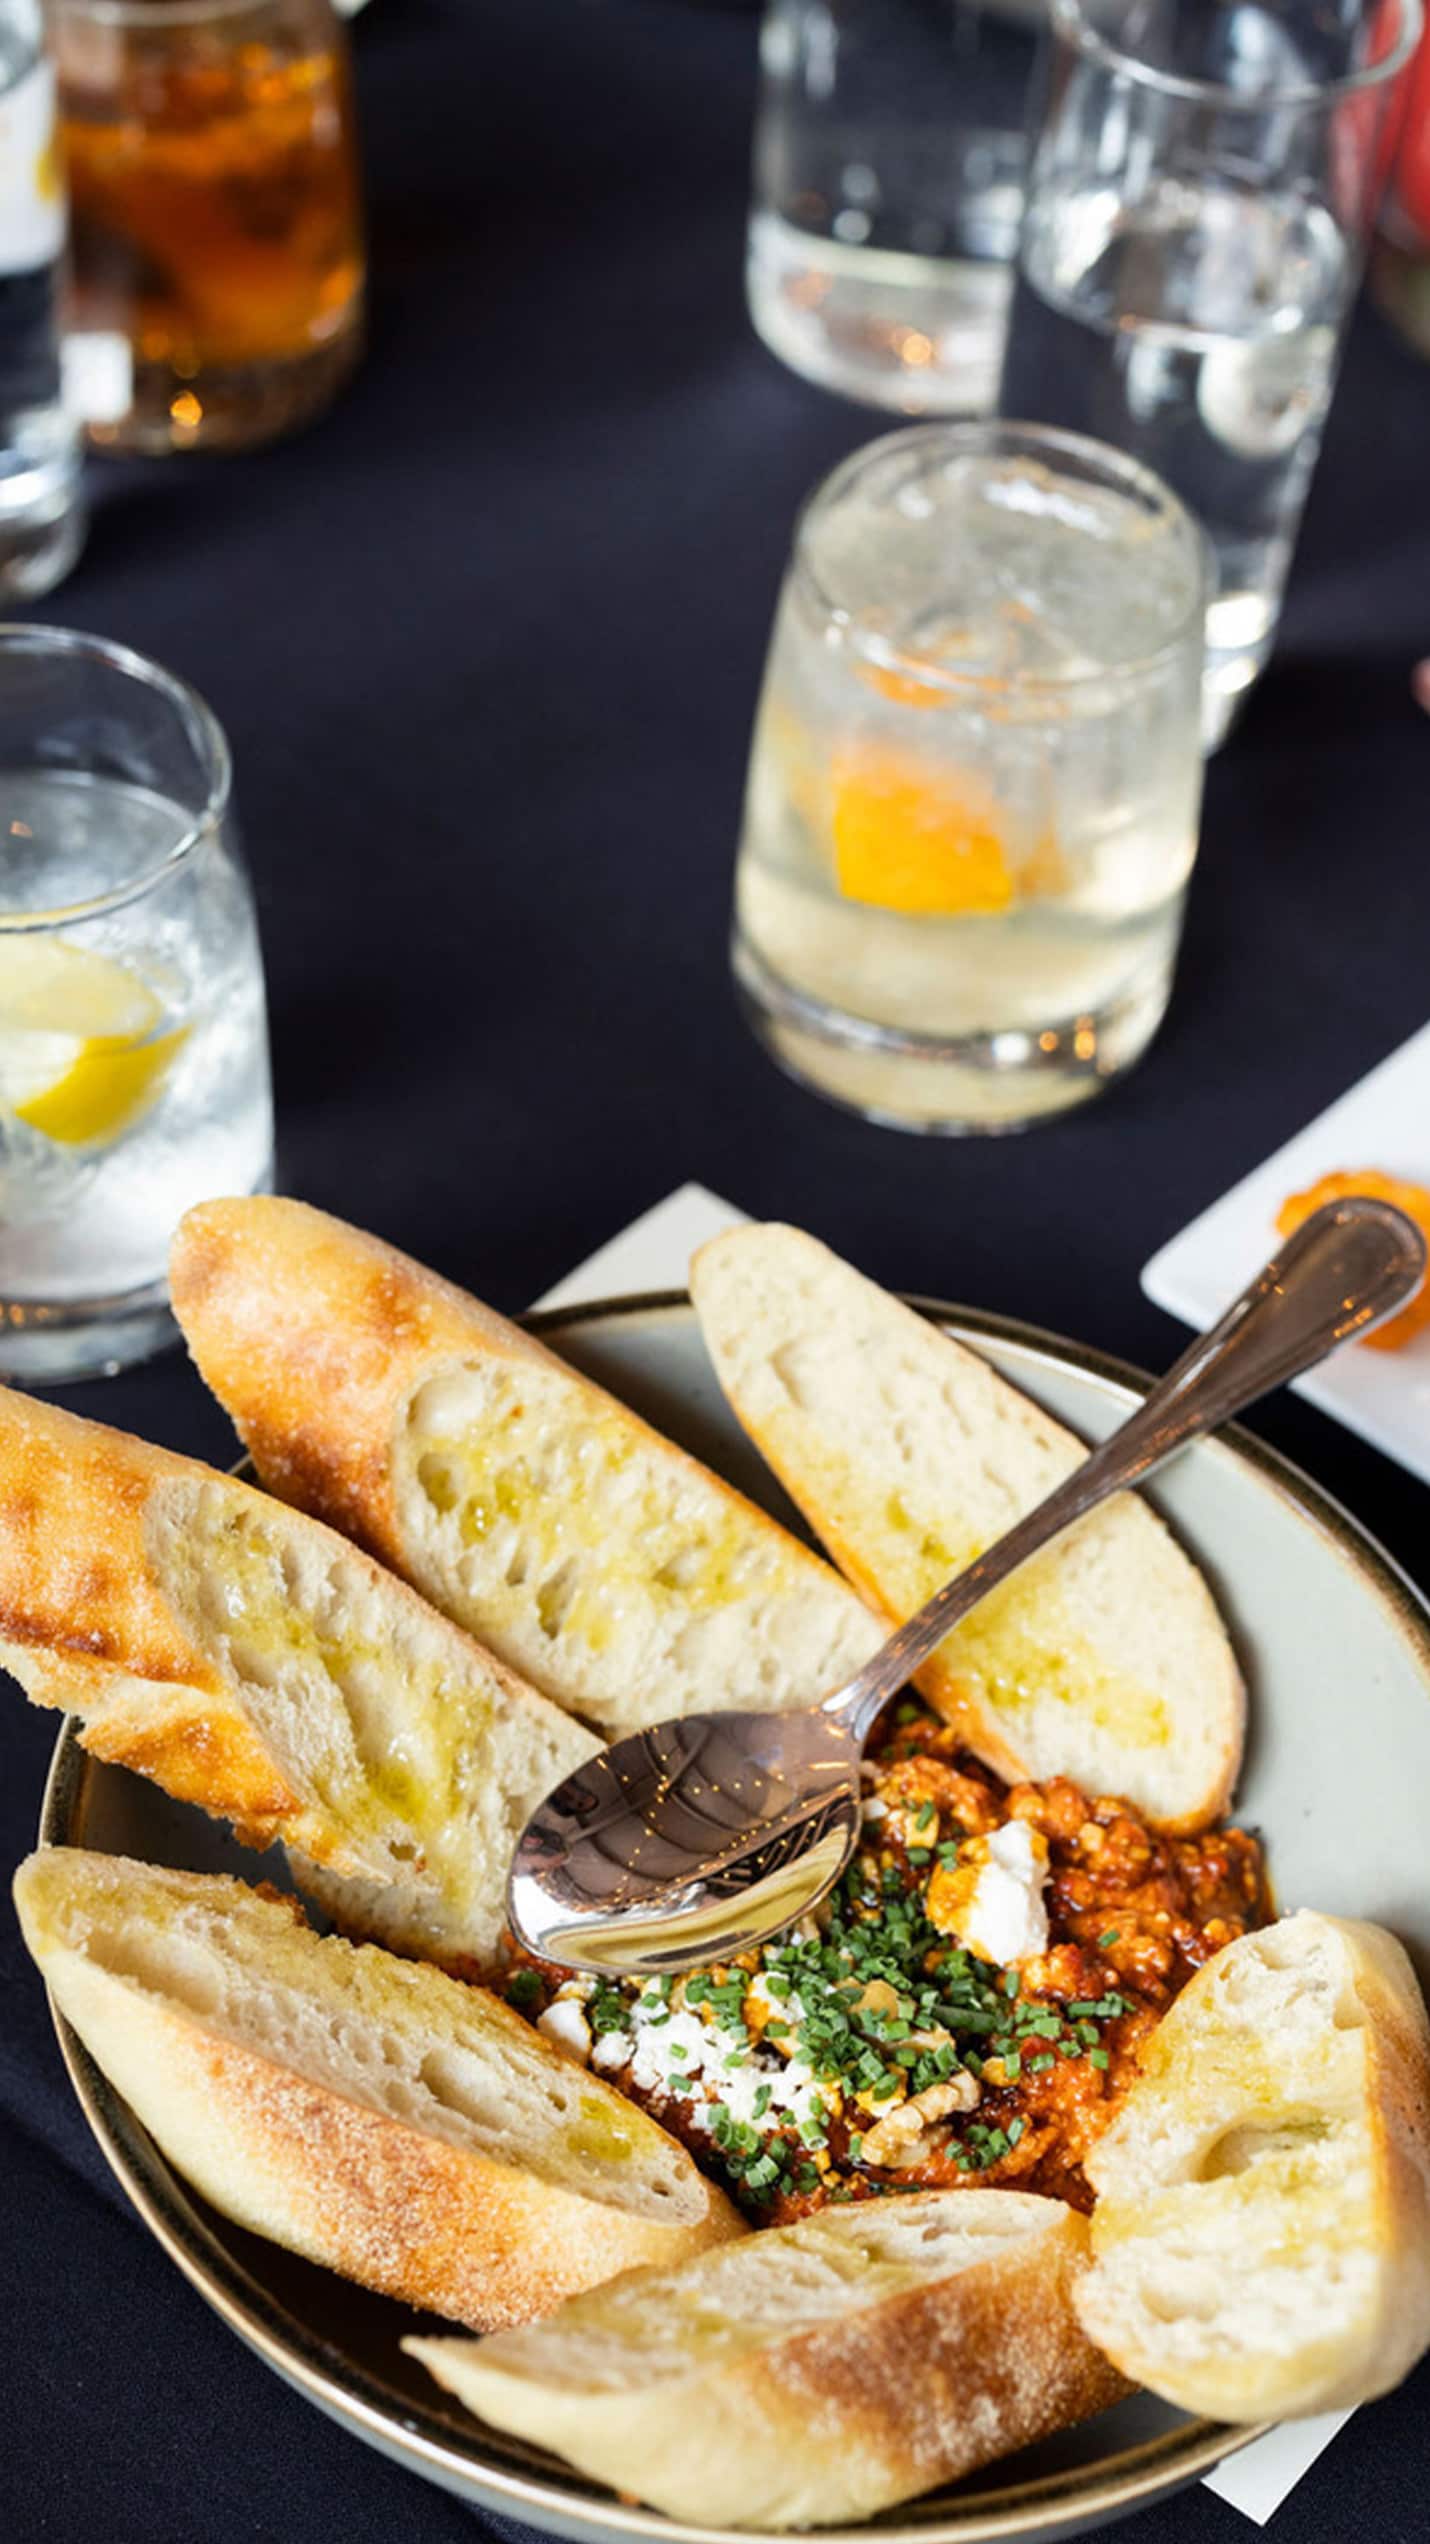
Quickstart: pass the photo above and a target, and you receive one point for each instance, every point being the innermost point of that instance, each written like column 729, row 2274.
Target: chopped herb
column 523, row 1989
column 1106, row 1941
column 607, row 2011
column 1097, row 2058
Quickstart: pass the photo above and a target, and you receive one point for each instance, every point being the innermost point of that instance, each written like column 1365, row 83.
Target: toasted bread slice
column 615, row 1573
column 817, row 2372
column 1104, row 1659
column 253, row 1662
column 1262, row 2229
column 379, row 2117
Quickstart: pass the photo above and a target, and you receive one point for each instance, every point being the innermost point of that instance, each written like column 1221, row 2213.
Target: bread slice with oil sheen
column 1104, row 1659
column 372, row 2114
column 817, row 2372
column 1262, row 2229
column 613, row 1571
column 253, row 1662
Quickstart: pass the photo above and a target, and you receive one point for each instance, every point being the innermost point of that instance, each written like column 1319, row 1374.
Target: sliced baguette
column 607, row 1566
column 253, row 1662
column 1104, row 1659
column 817, row 2372
column 1262, row 2229
column 379, row 2117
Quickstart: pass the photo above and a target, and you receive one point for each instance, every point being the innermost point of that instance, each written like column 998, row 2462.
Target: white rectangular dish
column 1382, row 1122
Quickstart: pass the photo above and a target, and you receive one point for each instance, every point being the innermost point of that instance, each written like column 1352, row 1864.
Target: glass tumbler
column 975, row 779
column 1199, row 196
column 217, row 248
column 133, row 1044
column 41, row 495
column 888, row 178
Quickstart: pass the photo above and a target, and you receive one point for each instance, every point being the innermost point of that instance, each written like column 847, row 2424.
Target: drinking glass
column 1198, row 199
column 888, row 177
column 216, row 224
column 133, row 1047
column 975, row 779
column 41, row 495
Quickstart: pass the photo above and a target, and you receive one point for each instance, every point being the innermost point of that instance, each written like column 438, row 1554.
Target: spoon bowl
column 687, row 1842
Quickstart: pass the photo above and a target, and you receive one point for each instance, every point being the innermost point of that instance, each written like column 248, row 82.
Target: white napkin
column 653, row 1253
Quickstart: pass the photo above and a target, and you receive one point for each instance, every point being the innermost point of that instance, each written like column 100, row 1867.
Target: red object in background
column 1410, row 179
column 1400, row 255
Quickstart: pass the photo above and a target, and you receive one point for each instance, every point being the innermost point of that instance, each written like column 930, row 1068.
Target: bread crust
column 313, row 1335
column 89, row 1624
column 438, row 2226
column 321, row 1340
column 86, row 1626
column 1360, row 2081
column 833, row 2422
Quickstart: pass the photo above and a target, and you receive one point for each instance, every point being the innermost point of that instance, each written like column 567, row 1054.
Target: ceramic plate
column 1384, row 1122
column 1336, row 1648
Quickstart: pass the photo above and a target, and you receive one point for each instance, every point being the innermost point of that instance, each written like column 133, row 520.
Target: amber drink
column 216, row 219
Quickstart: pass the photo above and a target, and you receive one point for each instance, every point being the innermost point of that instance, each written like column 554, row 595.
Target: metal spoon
column 697, row 1839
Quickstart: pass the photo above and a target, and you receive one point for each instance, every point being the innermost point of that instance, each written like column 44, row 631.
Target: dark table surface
column 486, row 642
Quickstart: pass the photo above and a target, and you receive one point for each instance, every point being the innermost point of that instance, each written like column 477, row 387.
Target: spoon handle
column 1350, row 1265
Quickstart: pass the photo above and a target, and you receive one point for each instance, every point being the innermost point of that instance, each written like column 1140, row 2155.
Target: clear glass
column 41, row 511
column 888, row 183
column 975, row 779
column 133, row 1043
column 1198, row 199
column 217, row 233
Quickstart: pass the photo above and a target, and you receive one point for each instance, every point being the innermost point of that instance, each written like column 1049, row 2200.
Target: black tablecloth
column 486, row 643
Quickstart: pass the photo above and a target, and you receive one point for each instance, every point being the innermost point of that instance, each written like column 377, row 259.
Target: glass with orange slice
column 133, row 1046
column 975, row 781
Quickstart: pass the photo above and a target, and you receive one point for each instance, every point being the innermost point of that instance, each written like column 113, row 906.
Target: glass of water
column 976, row 777
column 1198, row 203
column 133, row 1044
column 888, row 182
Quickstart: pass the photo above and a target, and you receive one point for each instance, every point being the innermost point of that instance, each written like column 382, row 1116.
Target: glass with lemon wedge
column 133, row 1045
column 975, row 781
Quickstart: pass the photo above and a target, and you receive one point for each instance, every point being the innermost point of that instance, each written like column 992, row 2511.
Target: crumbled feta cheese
column 874, row 1809
column 1004, row 1917
column 667, row 2048
column 567, row 2029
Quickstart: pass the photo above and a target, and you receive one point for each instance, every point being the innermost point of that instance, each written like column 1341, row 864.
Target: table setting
column 739, row 692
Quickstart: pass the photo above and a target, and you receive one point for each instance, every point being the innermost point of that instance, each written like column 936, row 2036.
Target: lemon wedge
column 82, row 1053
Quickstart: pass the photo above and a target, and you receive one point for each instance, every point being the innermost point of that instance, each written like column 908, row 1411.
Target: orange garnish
column 924, row 845
column 1413, row 1199
column 902, row 687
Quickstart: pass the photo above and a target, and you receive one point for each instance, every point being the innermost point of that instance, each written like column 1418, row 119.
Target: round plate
column 1336, row 1648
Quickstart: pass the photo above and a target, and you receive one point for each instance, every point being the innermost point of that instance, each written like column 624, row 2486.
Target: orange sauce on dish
column 1413, row 1199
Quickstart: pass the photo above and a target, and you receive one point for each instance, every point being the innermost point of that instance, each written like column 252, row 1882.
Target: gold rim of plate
column 520, row 2481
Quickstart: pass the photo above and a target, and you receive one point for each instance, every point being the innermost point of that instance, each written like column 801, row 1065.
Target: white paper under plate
column 1383, row 1122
